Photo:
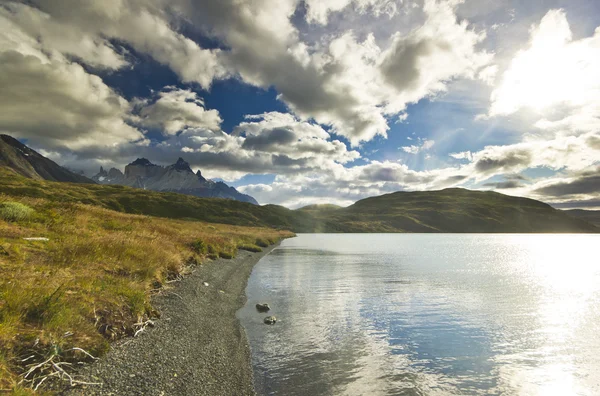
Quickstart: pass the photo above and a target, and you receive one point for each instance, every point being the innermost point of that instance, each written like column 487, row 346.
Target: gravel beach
column 198, row 347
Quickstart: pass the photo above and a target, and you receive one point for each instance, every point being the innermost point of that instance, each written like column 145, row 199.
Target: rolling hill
column 449, row 210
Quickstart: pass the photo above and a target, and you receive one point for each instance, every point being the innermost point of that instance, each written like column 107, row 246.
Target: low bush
column 262, row 242
column 250, row 247
column 15, row 211
column 226, row 255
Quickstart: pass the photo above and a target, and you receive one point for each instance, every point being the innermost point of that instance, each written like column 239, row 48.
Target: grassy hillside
column 160, row 204
column 450, row 210
column 591, row 216
column 29, row 163
column 91, row 280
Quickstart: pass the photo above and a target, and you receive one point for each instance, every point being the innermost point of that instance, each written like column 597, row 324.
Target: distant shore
column 198, row 346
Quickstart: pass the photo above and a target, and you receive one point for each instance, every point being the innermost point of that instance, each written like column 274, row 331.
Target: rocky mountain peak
column 182, row 165
column 143, row 162
column 115, row 173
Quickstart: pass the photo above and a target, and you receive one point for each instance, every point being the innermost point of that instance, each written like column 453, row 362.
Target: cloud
column 488, row 74
column 584, row 183
column 176, row 109
column 343, row 185
column 554, row 73
column 418, row 64
column 58, row 104
column 506, row 161
column 464, row 155
column 85, row 30
column 318, row 10
column 53, row 35
column 348, row 84
column 425, row 145
column 286, row 135
column 509, row 184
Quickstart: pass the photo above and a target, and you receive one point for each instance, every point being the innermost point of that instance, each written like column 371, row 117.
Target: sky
column 299, row 102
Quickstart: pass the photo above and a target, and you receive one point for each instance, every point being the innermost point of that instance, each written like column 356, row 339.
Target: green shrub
column 199, row 246
column 226, row 255
column 250, row 248
column 262, row 242
column 14, row 211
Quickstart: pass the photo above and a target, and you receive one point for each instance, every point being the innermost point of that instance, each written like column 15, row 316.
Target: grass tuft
column 250, row 247
column 14, row 211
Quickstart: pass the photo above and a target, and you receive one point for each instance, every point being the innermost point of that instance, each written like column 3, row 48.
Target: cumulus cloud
column 419, row 64
column 176, row 109
column 349, row 84
column 58, row 104
column 84, row 30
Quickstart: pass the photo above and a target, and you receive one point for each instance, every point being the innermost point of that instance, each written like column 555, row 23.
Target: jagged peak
column 114, row 172
column 182, row 165
column 102, row 172
column 143, row 162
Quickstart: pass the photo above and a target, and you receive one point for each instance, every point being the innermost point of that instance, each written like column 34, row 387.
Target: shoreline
column 197, row 347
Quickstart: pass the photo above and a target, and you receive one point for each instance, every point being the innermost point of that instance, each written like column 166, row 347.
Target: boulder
column 263, row 307
column 270, row 320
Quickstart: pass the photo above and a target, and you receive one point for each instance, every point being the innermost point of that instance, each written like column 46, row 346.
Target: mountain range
column 23, row 172
column 178, row 177
column 141, row 173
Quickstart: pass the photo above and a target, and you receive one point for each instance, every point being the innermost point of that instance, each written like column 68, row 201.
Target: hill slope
column 29, row 163
column 160, row 204
column 450, row 210
column 591, row 216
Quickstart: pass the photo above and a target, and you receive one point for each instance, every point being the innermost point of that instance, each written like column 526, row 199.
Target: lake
column 427, row 314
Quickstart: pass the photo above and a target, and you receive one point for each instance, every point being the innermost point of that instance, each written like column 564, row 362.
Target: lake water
column 427, row 314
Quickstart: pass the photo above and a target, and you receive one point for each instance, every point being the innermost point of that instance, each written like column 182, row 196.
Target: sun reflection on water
column 428, row 315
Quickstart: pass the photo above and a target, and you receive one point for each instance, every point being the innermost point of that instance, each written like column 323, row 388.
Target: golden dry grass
column 91, row 281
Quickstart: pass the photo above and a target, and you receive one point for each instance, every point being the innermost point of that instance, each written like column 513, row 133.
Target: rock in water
column 263, row 307
column 270, row 320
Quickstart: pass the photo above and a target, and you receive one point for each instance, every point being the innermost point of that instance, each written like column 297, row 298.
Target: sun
column 553, row 70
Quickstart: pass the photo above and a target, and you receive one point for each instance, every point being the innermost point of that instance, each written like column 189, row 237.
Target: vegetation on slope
column 90, row 282
column 29, row 163
column 160, row 204
column 591, row 216
column 450, row 210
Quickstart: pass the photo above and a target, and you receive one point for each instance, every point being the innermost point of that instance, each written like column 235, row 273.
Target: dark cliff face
column 29, row 163
column 178, row 177
column 142, row 168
